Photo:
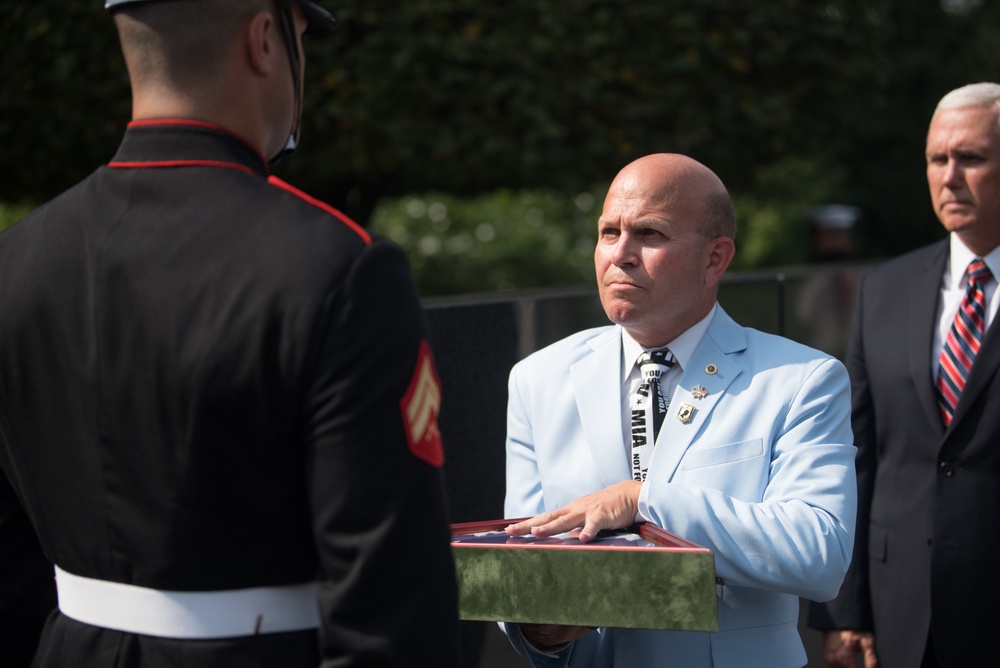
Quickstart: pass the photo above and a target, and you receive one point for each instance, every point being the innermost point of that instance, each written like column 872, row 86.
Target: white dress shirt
column 953, row 285
column 682, row 347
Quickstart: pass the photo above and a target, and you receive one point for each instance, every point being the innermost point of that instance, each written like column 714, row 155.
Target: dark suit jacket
column 927, row 542
column 203, row 386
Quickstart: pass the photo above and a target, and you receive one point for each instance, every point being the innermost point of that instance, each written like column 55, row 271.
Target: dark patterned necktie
column 964, row 339
column 649, row 405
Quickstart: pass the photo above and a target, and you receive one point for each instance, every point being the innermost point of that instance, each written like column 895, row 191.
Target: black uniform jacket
column 209, row 381
column 927, row 542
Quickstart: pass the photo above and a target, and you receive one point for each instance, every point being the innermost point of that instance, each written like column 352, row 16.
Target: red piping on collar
column 148, row 122
column 182, row 163
column 360, row 231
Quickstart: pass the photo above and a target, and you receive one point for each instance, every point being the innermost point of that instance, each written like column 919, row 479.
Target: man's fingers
column 543, row 525
column 838, row 649
column 871, row 659
column 525, row 526
column 590, row 530
column 556, row 526
column 518, row 528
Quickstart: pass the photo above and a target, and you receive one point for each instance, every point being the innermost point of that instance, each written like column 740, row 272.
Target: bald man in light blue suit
column 754, row 459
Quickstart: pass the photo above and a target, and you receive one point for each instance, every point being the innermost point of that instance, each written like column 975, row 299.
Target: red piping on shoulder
column 360, row 231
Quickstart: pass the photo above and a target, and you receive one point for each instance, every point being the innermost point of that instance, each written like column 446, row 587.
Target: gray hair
column 983, row 94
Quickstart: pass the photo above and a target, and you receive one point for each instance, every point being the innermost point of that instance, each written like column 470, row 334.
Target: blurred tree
column 788, row 101
column 773, row 227
column 934, row 47
column 64, row 96
column 11, row 213
column 466, row 96
column 503, row 240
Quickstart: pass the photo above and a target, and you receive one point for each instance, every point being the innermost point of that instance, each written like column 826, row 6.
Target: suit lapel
column 922, row 313
column 596, row 383
column 984, row 367
column 710, row 369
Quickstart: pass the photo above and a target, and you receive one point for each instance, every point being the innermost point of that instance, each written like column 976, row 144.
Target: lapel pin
column 685, row 413
column 711, row 369
column 699, row 392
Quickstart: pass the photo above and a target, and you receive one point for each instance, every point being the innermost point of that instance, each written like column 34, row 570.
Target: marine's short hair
column 180, row 41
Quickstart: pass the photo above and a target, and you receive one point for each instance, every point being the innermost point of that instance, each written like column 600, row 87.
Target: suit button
column 946, row 469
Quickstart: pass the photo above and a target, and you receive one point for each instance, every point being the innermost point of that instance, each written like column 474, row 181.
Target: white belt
column 186, row 614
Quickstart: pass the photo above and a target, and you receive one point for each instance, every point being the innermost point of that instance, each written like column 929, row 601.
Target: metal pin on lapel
column 685, row 413
column 699, row 392
column 711, row 369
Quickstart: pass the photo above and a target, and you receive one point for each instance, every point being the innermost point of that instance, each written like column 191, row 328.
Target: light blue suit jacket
column 762, row 474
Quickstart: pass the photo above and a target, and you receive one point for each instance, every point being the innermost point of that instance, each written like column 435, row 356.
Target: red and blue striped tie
column 963, row 341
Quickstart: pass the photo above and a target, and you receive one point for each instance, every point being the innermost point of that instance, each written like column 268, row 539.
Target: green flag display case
column 640, row 577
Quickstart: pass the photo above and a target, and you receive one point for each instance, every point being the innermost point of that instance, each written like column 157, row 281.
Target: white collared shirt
column 682, row 347
column 953, row 286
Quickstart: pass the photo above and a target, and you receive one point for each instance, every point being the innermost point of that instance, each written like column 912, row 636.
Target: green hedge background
column 481, row 134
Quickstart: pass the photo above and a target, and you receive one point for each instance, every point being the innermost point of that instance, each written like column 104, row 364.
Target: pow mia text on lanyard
column 646, row 419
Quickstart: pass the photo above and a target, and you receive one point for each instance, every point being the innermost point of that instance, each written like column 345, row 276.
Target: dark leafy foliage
column 467, row 96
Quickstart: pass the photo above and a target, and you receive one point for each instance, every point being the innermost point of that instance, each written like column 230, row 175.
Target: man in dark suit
column 922, row 589
column 218, row 408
